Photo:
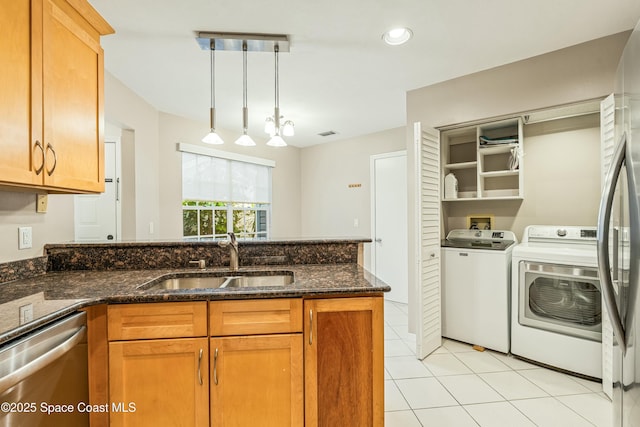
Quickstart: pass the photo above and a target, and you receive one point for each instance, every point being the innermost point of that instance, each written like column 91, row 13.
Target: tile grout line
column 397, row 329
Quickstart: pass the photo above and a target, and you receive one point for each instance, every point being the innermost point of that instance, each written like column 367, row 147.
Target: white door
column 427, row 154
column 96, row 214
column 389, row 222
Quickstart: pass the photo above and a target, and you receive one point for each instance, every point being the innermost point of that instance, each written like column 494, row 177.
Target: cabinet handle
column 310, row 326
column 199, row 366
column 39, row 145
column 55, row 159
column 215, row 367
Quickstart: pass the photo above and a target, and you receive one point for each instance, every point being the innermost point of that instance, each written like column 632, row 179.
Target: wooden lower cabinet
column 280, row 362
column 159, row 382
column 344, row 362
column 257, row 380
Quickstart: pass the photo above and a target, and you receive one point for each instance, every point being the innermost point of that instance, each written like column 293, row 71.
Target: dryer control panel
column 550, row 233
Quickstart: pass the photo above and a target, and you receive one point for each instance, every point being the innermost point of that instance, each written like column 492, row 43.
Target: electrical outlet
column 26, row 313
column 25, row 238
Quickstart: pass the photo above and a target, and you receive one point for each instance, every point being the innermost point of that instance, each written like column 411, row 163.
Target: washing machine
column 556, row 299
column 476, row 267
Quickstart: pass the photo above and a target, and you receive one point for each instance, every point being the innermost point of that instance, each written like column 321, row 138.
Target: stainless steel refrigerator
column 619, row 238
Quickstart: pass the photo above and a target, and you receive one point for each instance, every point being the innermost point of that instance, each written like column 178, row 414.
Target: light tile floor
column 457, row 386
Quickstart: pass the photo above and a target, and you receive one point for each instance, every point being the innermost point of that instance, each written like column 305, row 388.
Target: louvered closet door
column 607, row 147
column 427, row 150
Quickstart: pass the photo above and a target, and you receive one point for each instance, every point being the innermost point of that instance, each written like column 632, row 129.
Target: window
column 220, row 195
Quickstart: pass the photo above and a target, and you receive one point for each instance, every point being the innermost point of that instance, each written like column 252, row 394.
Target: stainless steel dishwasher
column 43, row 377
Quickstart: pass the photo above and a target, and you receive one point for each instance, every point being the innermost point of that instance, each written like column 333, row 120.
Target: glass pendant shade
column 269, row 126
column 276, row 141
column 288, row 128
column 245, row 140
column 212, row 138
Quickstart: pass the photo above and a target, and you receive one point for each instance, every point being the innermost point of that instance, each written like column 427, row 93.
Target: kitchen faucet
column 233, row 251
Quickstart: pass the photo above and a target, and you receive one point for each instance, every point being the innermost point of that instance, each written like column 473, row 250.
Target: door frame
column 372, row 174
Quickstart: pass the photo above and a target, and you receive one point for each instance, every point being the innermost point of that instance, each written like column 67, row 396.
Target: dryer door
column 561, row 298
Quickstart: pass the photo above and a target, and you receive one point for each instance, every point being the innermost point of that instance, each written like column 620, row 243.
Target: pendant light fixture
column 245, row 139
column 212, row 137
column 245, row 42
column 287, row 129
column 276, row 140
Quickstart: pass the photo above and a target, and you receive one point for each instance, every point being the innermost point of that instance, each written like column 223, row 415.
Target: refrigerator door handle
column 604, row 263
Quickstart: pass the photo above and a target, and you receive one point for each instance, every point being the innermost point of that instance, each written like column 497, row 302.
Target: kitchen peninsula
column 307, row 352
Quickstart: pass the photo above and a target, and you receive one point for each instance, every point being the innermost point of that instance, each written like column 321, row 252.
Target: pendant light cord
column 276, row 49
column 213, row 87
column 213, row 75
column 245, row 112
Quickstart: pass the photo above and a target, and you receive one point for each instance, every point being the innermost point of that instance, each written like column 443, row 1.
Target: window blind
column 212, row 178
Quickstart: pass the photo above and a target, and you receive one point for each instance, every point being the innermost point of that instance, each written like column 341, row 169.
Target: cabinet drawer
column 269, row 316
column 157, row 320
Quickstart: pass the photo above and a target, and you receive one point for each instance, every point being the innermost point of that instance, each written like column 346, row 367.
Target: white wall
column 285, row 178
column 328, row 206
column 18, row 209
column 126, row 110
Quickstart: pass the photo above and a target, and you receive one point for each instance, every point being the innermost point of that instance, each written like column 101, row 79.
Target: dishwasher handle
column 40, row 362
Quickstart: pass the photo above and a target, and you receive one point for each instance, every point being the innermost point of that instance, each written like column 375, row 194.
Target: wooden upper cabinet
column 344, row 362
column 51, row 117
column 16, row 161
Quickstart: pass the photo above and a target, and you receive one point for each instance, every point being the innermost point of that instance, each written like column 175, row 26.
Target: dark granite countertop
column 58, row 293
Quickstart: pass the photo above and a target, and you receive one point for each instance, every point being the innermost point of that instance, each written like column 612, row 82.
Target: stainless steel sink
column 205, row 282
column 255, row 281
column 238, row 280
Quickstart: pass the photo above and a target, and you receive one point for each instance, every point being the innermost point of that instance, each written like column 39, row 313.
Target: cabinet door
column 344, row 362
column 72, row 86
column 16, row 163
column 166, row 381
column 257, row 380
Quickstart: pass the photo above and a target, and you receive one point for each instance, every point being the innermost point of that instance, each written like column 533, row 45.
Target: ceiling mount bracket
column 255, row 42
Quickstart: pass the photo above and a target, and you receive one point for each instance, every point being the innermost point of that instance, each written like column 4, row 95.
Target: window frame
column 229, row 206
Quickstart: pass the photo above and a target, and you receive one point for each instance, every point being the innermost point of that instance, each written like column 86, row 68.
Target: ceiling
column 339, row 75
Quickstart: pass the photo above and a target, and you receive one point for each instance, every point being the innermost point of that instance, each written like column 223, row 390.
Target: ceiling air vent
column 328, row 133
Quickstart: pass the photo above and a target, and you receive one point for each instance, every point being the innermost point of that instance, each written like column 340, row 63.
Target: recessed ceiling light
column 397, row 36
